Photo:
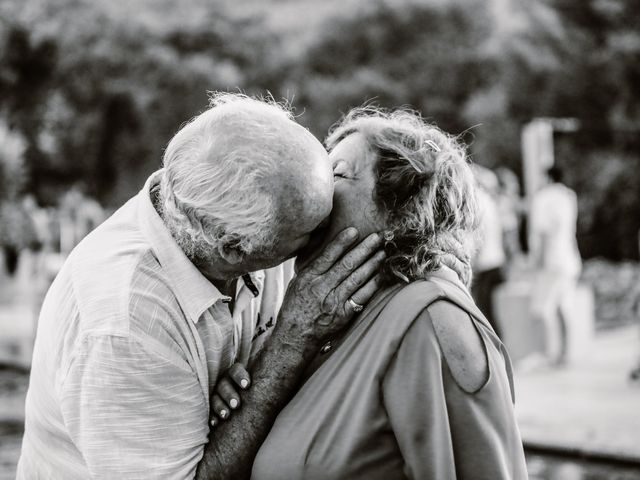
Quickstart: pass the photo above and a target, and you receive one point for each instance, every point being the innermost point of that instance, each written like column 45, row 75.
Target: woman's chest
column 336, row 426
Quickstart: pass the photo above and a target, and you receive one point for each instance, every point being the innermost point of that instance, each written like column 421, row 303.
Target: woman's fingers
column 239, row 375
column 228, row 393
column 219, row 407
column 227, row 398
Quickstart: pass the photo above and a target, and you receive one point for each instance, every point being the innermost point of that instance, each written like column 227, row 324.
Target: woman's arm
column 447, row 423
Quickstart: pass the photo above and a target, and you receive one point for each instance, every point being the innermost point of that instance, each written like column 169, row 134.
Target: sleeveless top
column 383, row 404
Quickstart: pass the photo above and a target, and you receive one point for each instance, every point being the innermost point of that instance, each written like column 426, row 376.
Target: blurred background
column 91, row 92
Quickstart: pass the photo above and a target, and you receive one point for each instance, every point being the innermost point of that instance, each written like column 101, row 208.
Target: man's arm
column 131, row 411
column 315, row 307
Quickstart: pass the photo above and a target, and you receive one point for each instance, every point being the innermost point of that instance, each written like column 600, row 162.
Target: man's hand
column 227, row 397
column 316, row 304
column 315, row 307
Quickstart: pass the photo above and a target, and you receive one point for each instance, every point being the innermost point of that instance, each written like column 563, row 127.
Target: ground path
column 589, row 408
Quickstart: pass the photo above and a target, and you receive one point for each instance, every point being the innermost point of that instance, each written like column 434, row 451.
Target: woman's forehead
column 352, row 148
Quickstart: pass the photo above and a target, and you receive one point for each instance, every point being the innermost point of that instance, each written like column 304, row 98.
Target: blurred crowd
column 533, row 240
column 530, row 240
column 49, row 233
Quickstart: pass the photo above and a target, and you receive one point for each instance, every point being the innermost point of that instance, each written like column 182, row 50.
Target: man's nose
column 324, row 223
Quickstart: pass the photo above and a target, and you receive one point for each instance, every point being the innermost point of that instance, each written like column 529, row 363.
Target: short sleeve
column 133, row 414
column 443, row 431
column 414, row 399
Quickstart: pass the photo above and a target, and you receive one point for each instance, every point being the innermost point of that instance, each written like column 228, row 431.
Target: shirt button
column 326, row 347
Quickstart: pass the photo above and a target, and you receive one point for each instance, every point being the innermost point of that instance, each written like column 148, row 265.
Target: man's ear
column 231, row 253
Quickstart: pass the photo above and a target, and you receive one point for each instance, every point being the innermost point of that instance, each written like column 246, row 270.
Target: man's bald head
column 244, row 176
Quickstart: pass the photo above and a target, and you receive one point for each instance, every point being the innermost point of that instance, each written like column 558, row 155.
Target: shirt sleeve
column 443, row 431
column 414, row 400
column 133, row 414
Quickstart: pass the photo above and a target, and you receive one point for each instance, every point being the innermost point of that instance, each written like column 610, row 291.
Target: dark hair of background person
column 556, row 174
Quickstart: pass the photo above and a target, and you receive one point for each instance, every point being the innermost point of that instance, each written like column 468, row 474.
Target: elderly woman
column 419, row 386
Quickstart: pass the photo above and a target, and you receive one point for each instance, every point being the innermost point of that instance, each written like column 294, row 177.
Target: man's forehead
column 302, row 211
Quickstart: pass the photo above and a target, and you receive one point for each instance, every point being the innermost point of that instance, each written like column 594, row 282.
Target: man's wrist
column 294, row 343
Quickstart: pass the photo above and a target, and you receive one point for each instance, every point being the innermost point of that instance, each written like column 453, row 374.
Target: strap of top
column 415, row 297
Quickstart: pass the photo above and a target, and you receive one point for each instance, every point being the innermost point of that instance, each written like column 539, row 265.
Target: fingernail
column 213, row 423
column 351, row 232
column 223, row 413
column 381, row 255
column 233, row 403
column 244, row 383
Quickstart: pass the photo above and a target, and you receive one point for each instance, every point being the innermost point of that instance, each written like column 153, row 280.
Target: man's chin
column 311, row 251
column 306, row 256
column 302, row 260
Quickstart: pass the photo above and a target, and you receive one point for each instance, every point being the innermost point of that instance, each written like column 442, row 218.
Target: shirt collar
column 194, row 292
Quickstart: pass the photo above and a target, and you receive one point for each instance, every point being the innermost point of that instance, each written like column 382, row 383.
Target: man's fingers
column 219, row 407
column 364, row 294
column 228, row 393
column 333, row 251
column 239, row 375
column 360, row 276
column 354, row 259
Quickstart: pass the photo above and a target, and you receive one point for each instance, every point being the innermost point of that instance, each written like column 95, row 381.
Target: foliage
column 616, row 288
column 111, row 90
column 97, row 89
column 12, row 169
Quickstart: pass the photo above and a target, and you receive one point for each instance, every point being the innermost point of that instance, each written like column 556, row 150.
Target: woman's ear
column 231, row 253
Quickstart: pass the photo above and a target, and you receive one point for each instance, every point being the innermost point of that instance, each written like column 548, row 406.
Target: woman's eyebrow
column 339, row 160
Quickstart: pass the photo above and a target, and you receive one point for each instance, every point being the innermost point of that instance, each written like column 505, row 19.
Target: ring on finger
column 356, row 306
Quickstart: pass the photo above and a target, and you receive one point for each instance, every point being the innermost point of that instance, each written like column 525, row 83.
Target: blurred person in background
column 17, row 233
column 183, row 283
column 420, row 386
column 510, row 208
column 554, row 253
column 79, row 215
column 634, row 375
column 489, row 260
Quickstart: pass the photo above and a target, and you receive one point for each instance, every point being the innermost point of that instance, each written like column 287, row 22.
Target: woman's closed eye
column 341, row 170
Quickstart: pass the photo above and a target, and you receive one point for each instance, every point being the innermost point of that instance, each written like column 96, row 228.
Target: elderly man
column 147, row 313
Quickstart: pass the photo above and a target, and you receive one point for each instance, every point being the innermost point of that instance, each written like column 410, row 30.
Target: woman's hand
column 226, row 396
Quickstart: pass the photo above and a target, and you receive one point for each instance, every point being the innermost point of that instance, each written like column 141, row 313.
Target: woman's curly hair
column 425, row 186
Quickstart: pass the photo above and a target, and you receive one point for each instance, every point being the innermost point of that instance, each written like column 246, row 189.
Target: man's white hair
column 212, row 187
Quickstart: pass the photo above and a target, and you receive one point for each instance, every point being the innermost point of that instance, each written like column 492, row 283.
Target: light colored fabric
column 553, row 221
column 383, row 403
column 131, row 341
column 491, row 252
column 551, row 304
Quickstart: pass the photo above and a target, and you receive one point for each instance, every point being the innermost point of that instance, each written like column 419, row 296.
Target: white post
column 537, row 153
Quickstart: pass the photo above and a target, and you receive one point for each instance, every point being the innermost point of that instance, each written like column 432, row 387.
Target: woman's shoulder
column 424, row 310
column 461, row 344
